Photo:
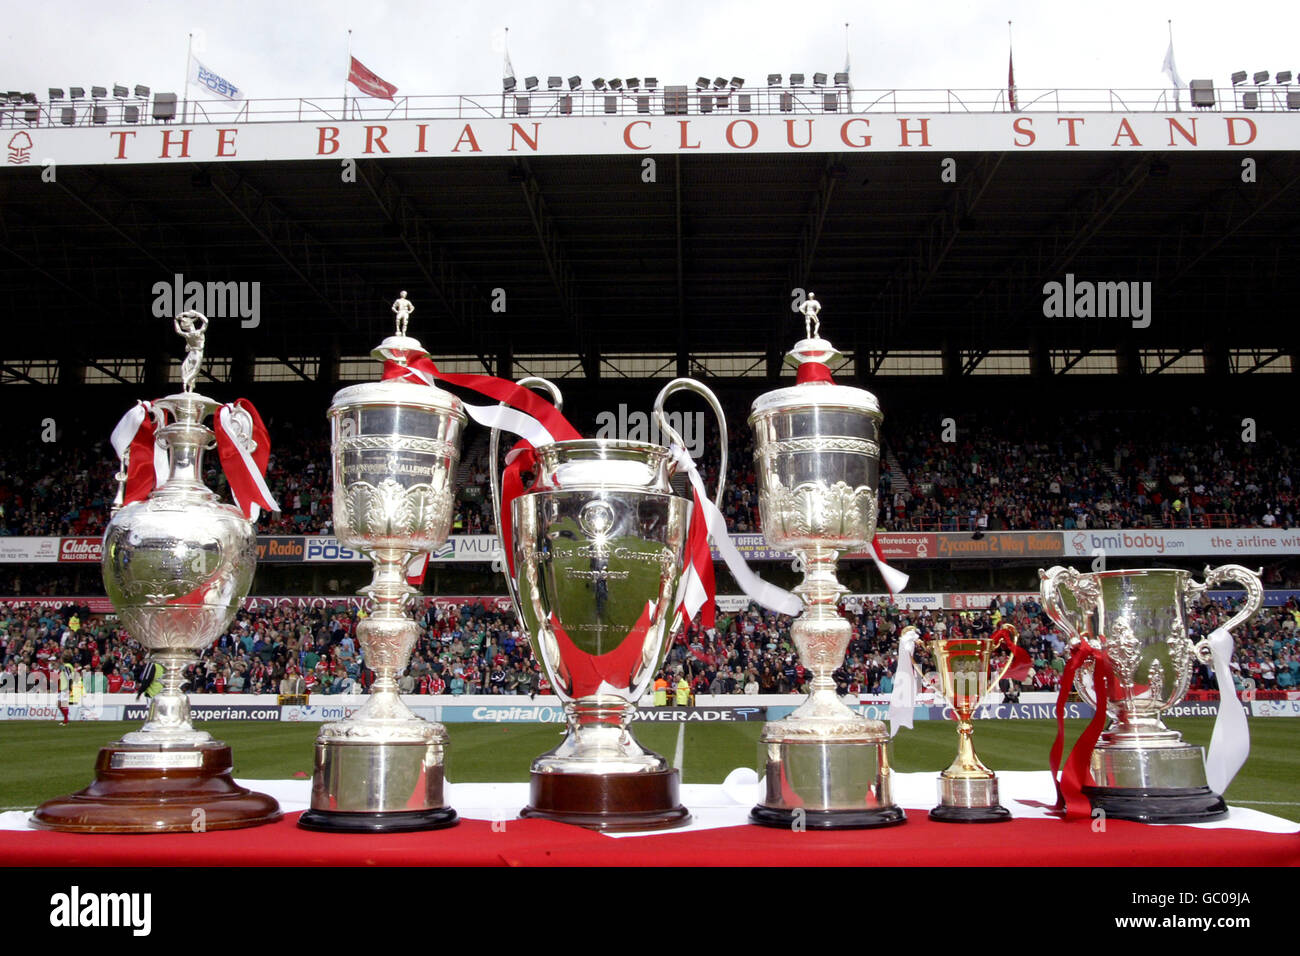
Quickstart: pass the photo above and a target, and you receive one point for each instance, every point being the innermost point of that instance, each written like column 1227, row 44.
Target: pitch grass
column 42, row 760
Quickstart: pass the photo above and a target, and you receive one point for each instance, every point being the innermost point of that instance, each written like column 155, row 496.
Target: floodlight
column 651, row 83
column 508, row 83
column 1283, row 77
column 702, row 83
column 99, row 92
column 796, row 79
column 598, row 83
column 720, row 83
column 76, row 92
column 634, row 83
column 575, row 82
column 554, row 82
column 616, row 84
column 141, row 90
column 120, row 92
column 55, row 93
column 737, row 82
column 1260, row 77
column 819, row 79
column 1239, row 77
column 530, row 83
column 841, row 79
column 774, row 79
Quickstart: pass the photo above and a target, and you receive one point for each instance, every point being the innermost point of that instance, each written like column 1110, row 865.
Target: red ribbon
column 1005, row 636
column 585, row 672
column 699, row 558
column 140, row 473
column 502, row 390
column 244, row 485
column 512, row 486
column 1078, row 767
column 813, row 372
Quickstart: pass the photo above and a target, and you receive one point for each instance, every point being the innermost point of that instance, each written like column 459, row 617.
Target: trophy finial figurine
column 403, row 308
column 190, row 326
column 812, row 325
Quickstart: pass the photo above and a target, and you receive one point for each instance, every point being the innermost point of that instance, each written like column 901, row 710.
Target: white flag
column 508, row 68
column 201, row 76
column 1170, row 70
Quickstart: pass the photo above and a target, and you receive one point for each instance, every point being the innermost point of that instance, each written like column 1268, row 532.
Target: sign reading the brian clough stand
column 624, row 135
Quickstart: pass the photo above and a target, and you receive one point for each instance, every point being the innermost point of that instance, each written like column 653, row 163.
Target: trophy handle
column 1227, row 572
column 1049, row 588
column 1014, row 637
column 494, row 484
column 690, row 385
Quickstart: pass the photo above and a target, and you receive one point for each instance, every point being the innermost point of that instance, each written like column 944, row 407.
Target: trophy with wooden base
column 176, row 564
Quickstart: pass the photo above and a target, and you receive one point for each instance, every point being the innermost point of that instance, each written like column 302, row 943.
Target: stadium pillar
column 241, row 367
column 951, row 360
column 328, row 374
column 157, row 370
column 1128, row 363
column 1040, row 360
column 71, row 372
column 1216, row 359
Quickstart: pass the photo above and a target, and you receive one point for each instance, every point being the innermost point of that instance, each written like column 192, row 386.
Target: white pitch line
column 1269, row 803
column 681, row 746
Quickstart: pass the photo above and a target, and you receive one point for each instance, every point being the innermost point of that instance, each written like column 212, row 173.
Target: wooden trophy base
column 149, row 789
column 608, row 802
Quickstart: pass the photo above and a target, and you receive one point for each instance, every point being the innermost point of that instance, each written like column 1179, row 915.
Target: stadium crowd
column 1027, row 472
column 473, row 649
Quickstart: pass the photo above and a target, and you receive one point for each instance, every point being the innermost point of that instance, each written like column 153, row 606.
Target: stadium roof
column 689, row 261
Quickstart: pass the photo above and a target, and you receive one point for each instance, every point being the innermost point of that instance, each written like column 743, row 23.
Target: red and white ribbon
column 895, row 580
column 1230, row 740
column 137, row 432
column 769, row 595
column 698, row 589
column 532, row 418
column 245, row 471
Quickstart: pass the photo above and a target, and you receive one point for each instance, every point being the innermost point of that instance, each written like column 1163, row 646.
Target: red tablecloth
column 919, row 842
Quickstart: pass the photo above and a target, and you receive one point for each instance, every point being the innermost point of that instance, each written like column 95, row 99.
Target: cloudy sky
column 298, row 49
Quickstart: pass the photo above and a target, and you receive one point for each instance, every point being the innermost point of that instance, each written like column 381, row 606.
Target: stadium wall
column 501, row 708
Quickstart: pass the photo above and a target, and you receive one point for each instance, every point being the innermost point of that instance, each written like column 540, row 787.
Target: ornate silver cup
column 395, row 445
column 175, row 565
column 818, row 464
column 598, row 545
column 1143, row 770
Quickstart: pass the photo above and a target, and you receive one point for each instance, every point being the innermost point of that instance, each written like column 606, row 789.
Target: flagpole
column 1011, row 70
column 847, row 74
column 1178, row 107
column 347, row 76
column 185, row 99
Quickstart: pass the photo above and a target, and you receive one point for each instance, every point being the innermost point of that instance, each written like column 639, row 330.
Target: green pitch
column 43, row 760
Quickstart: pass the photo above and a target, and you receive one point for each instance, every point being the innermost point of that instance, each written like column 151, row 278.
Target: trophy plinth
column 1141, row 769
column 817, row 458
column 150, row 788
column 394, row 445
column 176, row 565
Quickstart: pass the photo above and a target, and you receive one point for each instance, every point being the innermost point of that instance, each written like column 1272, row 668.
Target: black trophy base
column 608, row 802
column 789, row 819
column 1158, row 805
column 994, row 814
column 400, row 821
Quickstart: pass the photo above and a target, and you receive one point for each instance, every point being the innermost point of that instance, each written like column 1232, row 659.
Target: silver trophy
column 598, row 545
column 395, row 445
column 1143, row 770
column 818, row 464
column 175, row 565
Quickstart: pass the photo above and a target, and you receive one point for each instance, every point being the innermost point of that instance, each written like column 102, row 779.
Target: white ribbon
column 769, row 595
column 1230, row 741
column 903, row 699
column 502, row 417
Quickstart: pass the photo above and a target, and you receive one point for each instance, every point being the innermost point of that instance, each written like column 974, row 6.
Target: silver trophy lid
column 814, row 348
column 402, row 349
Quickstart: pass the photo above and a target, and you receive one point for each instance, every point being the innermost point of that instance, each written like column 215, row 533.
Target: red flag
column 369, row 83
column 1011, row 81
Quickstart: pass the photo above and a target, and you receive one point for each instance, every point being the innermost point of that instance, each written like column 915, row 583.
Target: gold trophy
column 968, row 790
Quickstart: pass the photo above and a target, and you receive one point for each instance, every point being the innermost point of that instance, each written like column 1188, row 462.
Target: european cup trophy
column 968, row 790
column 1142, row 770
column 818, row 464
column 598, row 548
column 395, row 445
column 176, row 564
